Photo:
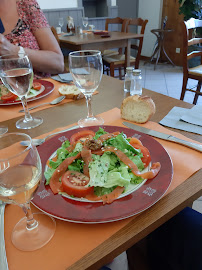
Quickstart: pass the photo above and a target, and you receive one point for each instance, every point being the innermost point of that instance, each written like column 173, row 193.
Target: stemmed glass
column 16, row 74
column 61, row 22
column 86, row 68
column 85, row 22
column 3, row 130
column 20, row 176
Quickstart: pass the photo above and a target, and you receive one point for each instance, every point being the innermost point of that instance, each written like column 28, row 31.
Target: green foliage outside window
column 191, row 9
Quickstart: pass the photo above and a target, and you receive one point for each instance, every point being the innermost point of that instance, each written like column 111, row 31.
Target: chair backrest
column 138, row 48
column 55, row 34
column 190, row 40
column 117, row 21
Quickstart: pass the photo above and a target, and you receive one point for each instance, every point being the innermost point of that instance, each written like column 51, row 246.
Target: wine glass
column 20, row 176
column 86, row 68
column 16, row 74
column 61, row 22
column 85, row 22
column 3, row 130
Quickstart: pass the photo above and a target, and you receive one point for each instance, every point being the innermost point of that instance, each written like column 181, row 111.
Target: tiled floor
column 166, row 80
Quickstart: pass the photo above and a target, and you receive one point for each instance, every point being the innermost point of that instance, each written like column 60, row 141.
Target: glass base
column 35, row 122
column 91, row 121
column 29, row 240
column 3, row 130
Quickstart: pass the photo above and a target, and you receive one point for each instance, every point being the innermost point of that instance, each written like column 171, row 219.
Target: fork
column 37, row 142
column 3, row 258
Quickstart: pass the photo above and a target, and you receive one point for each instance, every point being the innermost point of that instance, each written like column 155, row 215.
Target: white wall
column 47, row 4
column 150, row 10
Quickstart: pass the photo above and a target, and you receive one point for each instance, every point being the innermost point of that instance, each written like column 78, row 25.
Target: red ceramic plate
column 95, row 212
column 48, row 88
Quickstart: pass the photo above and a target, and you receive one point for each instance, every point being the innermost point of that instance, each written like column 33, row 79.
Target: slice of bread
column 137, row 108
column 70, row 91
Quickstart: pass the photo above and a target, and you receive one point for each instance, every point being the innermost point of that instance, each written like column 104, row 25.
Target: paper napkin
column 172, row 119
column 193, row 116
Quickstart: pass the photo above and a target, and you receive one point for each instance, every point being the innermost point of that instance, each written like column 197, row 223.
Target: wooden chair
column 66, row 60
column 119, row 22
column 55, row 34
column 118, row 61
column 194, row 73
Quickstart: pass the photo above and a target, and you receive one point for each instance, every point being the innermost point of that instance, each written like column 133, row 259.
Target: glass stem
column 89, row 105
column 31, row 222
column 28, row 117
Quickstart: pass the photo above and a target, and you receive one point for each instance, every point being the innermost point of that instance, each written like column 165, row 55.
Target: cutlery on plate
column 164, row 136
column 37, row 142
column 53, row 102
column 3, row 258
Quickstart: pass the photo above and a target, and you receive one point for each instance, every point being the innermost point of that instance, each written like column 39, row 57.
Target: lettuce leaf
column 99, row 133
column 120, row 142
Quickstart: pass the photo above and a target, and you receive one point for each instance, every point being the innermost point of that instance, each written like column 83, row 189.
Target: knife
column 164, row 136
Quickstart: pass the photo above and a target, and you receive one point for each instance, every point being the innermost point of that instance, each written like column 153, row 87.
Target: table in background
column 111, row 95
column 92, row 41
column 159, row 45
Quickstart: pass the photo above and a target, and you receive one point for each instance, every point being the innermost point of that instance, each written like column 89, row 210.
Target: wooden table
column 111, row 95
column 96, row 42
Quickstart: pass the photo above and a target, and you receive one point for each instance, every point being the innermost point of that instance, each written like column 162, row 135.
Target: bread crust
column 138, row 109
column 70, row 91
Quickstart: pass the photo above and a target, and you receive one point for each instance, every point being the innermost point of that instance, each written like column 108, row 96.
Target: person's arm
column 49, row 58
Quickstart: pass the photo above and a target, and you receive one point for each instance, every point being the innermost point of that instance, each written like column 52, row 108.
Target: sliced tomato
column 36, row 85
column 146, row 159
column 82, row 134
column 55, row 185
column 76, row 184
column 9, row 97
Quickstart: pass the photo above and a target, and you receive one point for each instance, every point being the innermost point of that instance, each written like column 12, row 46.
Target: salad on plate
column 99, row 166
column 7, row 96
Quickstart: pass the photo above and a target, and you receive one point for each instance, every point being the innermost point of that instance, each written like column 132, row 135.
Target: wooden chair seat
column 118, row 59
column 197, row 71
column 109, row 52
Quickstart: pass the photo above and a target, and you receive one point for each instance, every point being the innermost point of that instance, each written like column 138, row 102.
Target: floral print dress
column 31, row 18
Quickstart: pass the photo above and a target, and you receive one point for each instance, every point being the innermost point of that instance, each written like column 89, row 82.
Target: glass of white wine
column 16, row 74
column 20, row 176
column 86, row 68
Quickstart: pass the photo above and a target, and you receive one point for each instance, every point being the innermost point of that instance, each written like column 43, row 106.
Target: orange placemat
column 12, row 111
column 72, row 241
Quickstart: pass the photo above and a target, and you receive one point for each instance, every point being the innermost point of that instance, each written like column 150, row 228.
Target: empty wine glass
column 85, row 22
column 61, row 22
column 16, row 74
column 86, row 68
column 20, row 176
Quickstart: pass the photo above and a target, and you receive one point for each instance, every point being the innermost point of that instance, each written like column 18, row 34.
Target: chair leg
column 120, row 74
column 112, row 70
column 184, row 85
column 198, row 90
